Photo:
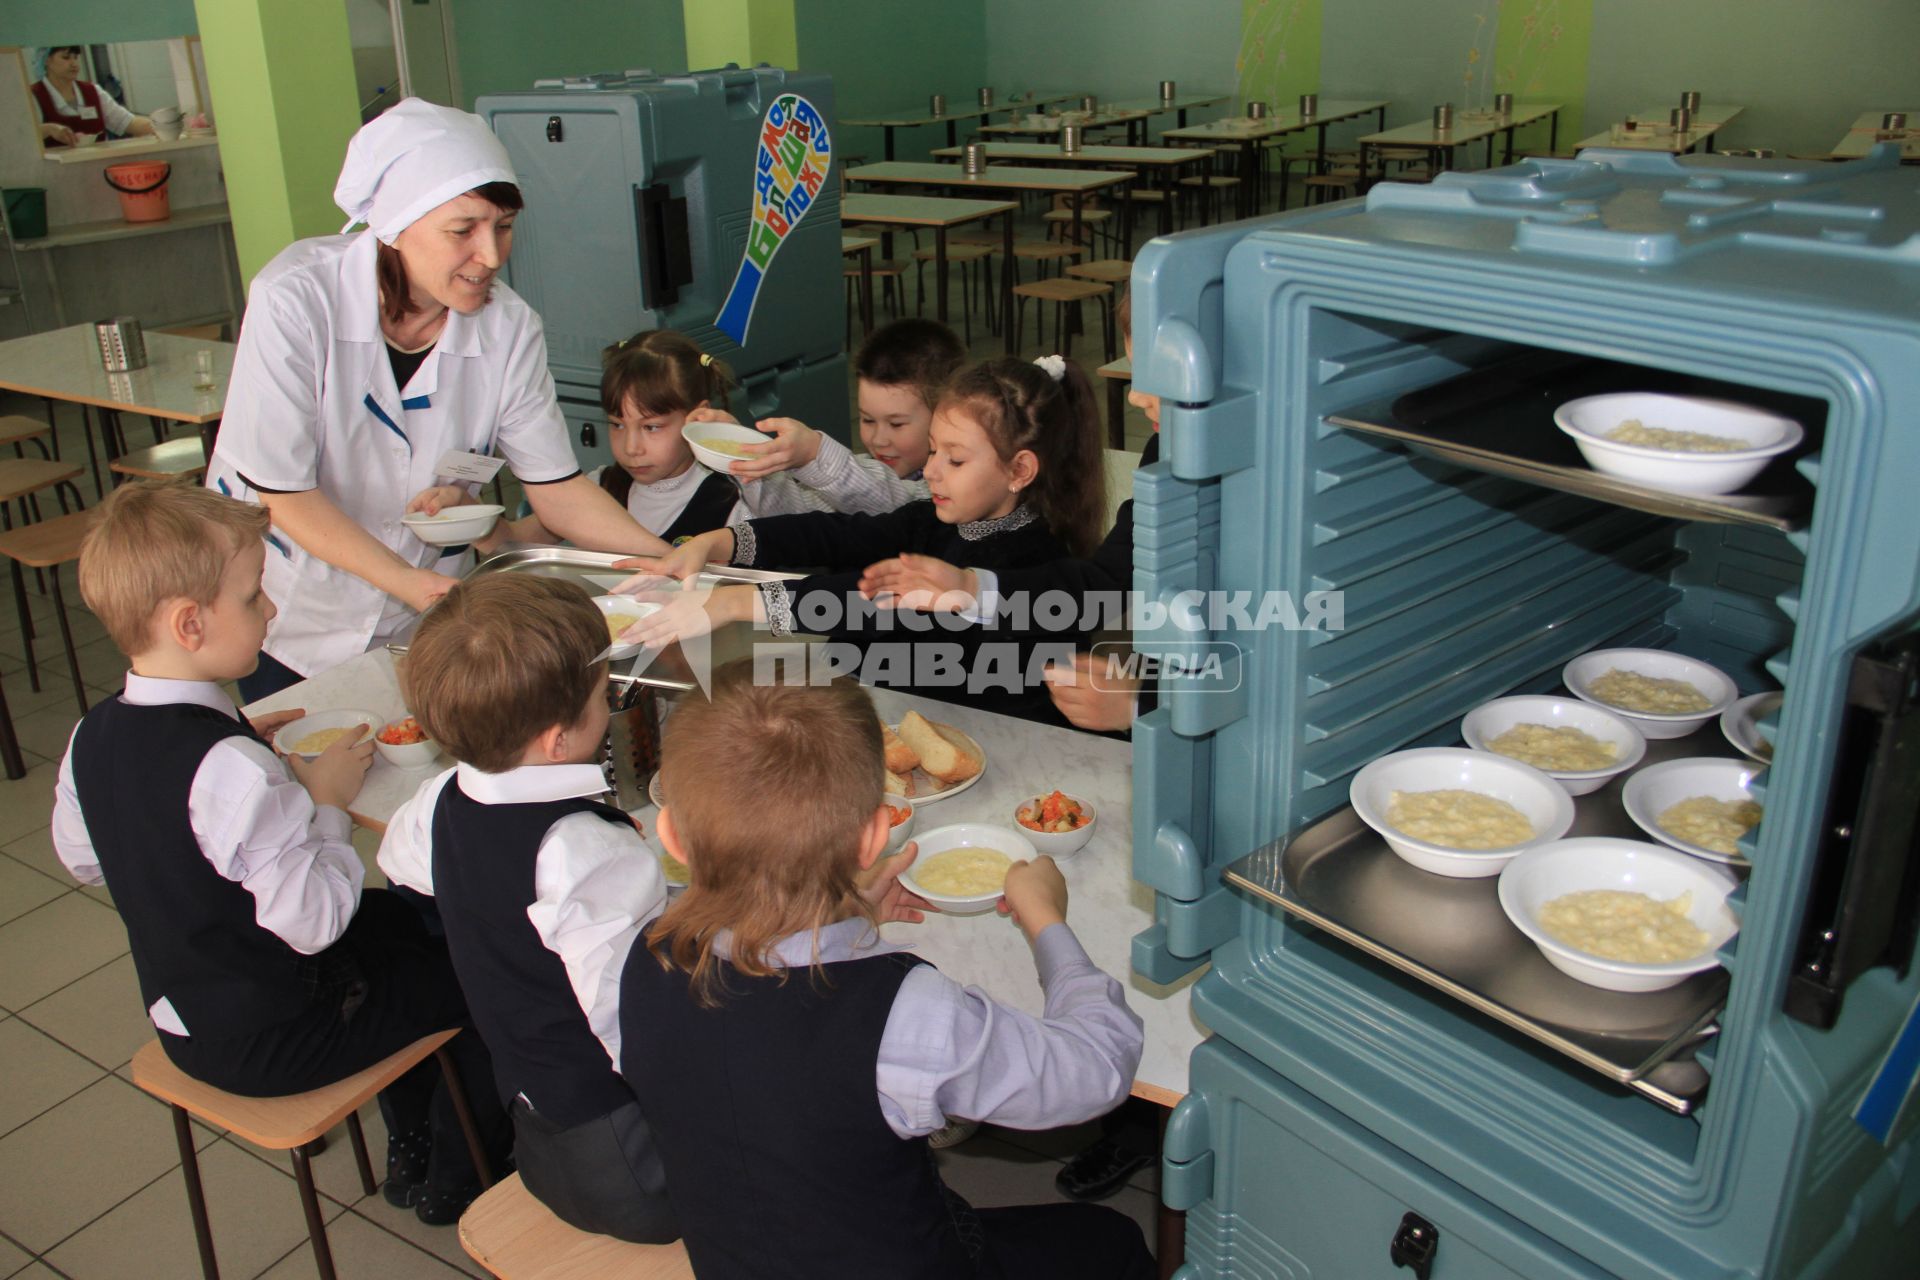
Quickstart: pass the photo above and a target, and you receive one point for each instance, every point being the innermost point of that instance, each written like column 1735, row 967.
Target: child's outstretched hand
column 794, row 444
column 682, row 563
column 334, row 776
column 1091, row 699
column 926, row 583
column 1035, row 896
column 893, row 901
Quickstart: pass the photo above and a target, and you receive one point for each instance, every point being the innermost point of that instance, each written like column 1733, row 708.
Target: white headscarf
column 414, row 159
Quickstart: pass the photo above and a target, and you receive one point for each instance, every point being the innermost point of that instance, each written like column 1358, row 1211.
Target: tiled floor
column 90, row 1184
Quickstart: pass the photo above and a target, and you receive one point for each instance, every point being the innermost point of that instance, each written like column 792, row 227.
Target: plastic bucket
column 143, row 190
column 27, row 211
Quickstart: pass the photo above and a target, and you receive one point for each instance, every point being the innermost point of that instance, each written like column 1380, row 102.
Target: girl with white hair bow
column 373, row 370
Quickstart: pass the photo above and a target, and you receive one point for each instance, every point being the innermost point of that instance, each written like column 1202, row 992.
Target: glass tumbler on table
column 204, row 378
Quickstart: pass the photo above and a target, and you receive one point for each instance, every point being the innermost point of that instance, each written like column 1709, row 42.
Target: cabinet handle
column 1414, row 1245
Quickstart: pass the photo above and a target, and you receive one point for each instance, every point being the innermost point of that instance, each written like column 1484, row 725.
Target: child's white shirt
column 591, row 878
column 838, row 479
column 256, row 825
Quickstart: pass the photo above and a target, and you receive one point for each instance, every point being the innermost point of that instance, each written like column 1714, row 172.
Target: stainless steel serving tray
column 1500, row 420
column 1451, row 934
column 594, row 571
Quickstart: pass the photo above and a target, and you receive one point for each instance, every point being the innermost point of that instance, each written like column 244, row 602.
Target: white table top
column 1277, row 121
column 1106, row 906
column 65, row 365
column 995, row 177
column 1091, row 154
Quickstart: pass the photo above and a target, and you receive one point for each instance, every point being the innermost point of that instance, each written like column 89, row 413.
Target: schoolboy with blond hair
column 793, row 1062
column 265, row 967
column 531, row 873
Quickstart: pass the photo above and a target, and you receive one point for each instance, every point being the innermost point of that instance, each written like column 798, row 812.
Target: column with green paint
column 281, row 76
column 742, row 31
column 1279, row 56
column 1540, row 55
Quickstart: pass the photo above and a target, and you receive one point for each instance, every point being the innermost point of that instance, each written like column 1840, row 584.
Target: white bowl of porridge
column 721, row 444
column 1459, row 813
column 310, row 735
column 1588, row 902
column 1580, row 745
column 1741, row 724
column 1661, row 693
column 1685, row 444
column 622, row 612
column 452, row 526
column 1702, row 806
column 962, row 868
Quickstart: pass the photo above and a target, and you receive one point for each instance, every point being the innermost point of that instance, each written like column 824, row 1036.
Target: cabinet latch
column 1414, row 1245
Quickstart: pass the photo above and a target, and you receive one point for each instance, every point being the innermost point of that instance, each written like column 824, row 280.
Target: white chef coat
column 312, row 405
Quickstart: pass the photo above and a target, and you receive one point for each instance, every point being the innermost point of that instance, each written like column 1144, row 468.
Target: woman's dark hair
column 396, row 296
column 77, row 50
column 663, row 372
column 1020, row 406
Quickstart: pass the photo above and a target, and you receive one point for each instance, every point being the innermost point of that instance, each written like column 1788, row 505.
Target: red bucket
column 143, row 190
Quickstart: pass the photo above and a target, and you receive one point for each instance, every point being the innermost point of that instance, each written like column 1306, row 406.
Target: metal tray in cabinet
column 594, row 571
column 1451, row 934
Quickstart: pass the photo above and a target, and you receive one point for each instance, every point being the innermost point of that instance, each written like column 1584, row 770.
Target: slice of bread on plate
column 943, row 753
column 899, row 784
column 901, row 758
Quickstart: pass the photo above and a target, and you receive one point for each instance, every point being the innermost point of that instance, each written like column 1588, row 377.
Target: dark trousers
column 380, row 987
column 270, row 677
column 1063, row 1242
column 602, row 1176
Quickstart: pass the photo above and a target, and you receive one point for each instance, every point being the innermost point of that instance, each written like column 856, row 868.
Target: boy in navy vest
column 794, row 1063
column 264, row 966
column 532, row 875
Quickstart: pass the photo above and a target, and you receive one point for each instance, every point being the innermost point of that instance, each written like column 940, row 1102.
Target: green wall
column 887, row 58
column 39, row 22
column 508, row 44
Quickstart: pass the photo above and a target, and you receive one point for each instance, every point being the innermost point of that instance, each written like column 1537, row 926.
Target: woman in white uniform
column 371, row 364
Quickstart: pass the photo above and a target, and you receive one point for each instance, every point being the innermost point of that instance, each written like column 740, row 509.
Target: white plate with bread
column 929, row 761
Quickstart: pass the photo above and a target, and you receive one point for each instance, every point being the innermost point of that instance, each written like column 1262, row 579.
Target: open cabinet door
column 423, row 45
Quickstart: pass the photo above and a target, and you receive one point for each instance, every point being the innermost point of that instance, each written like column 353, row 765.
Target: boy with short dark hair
column 900, row 370
column 531, row 875
column 264, row 966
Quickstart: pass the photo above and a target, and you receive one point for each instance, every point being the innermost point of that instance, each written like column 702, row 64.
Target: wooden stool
column 1331, row 186
column 516, row 1237
column 17, row 430
column 289, row 1124
column 163, row 461
column 1062, row 291
column 962, row 256
column 23, row 479
column 47, row 544
column 1105, row 271
column 1212, row 192
column 1041, row 252
column 1092, row 224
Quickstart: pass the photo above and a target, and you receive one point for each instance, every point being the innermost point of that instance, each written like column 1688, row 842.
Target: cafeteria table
column 1179, row 104
column 1249, row 134
column 861, row 248
column 1075, row 184
column 1166, row 161
column 64, row 364
column 1468, row 126
column 951, row 119
column 1651, row 130
column 1024, row 759
column 1866, row 134
column 1117, row 375
column 941, row 214
column 1049, row 126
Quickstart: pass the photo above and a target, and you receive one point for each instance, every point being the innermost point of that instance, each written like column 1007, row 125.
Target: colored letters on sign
column 794, row 154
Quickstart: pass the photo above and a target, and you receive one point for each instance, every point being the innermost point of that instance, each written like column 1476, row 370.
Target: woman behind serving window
column 69, row 105
column 367, row 367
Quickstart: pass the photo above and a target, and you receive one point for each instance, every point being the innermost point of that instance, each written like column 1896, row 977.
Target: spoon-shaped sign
column 790, row 169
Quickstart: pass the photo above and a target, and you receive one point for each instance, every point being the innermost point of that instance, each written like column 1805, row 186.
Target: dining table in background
column 1866, row 134
column 1652, row 130
column 1050, row 125
column 64, row 365
column 1166, row 162
column 1116, row 376
column 940, row 214
column 911, row 120
column 1075, row 184
column 1468, row 127
column 1249, row 135
column 861, row 248
column 1179, row 104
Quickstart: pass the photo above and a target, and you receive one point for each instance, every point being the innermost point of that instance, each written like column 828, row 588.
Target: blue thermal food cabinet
column 639, row 199
column 1358, row 400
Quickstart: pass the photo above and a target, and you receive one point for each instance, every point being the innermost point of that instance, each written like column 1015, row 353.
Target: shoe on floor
column 1100, row 1171
column 442, row 1206
column 952, row 1133
column 407, row 1157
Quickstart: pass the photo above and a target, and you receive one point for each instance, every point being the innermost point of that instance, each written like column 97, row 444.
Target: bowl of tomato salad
column 1058, row 824
column 405, row 744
